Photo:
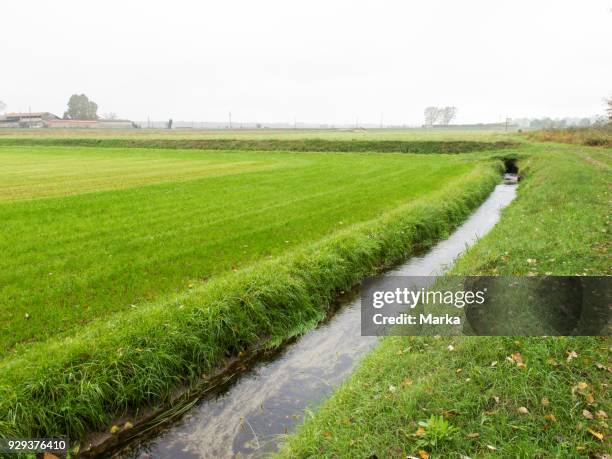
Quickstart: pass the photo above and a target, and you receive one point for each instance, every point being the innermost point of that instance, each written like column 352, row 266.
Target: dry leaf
column 523, row 410
column 545, row 401
column 407, row 382
column 596, row 434
column 496, row 398
column 552, row 361
column 571, row 355
column 517, row 357
column 114, row 429
column 550, row 417
column 601, row 414
column 327, row 434
column 420, row 431
column 587, row 414
column 492, row 448
column 580, row 387
column 590, row 399
column 128, row 425
column 392, row 388
column 423, row 454
column 494, row 363
column 458, row 370
column 473, row 435
column 451, row 347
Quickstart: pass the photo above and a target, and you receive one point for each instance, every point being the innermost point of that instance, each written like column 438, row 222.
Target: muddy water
column 249, row 418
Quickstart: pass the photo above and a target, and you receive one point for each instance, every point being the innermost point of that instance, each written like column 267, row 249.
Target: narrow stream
column 249, row 418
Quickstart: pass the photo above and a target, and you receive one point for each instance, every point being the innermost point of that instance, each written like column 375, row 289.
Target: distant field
column 87, row 231
column 328, row 134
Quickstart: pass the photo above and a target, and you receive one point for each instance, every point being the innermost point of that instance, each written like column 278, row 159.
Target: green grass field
column 91, row 231
column 127, row 272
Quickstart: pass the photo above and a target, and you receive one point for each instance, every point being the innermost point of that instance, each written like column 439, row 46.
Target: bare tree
column 432, row 114
column 448, row 113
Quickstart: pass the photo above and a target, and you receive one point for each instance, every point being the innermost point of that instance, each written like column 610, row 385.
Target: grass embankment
column 169, row 219
column 492, row 396
column 247, row 144
column 593, row 136
column 68, row 385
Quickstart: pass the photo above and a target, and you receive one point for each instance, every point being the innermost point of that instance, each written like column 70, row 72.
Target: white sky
column 325, row 61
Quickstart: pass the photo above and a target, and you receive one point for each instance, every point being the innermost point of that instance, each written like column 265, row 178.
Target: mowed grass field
column 87, row 232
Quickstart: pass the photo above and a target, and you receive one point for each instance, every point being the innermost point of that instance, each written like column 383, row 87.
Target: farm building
column 27, row 119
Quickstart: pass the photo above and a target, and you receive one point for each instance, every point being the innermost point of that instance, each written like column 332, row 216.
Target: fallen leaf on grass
column 523, row 410
column 517, row 357
column 545, row 401
column 451, row 347
column 492, row 448
column 114, row 429
column 392, row 388
column 128, row 425
column 571, row 355
column 590, row 399
column 581, row 387
column 423, row 454
column 596, row 434
column 406, row 382
column 550, row 417
column 420, row 431
column 601, row 414
column 473, row 435
column 327, row 434
column 587, row 414
column 496, row 398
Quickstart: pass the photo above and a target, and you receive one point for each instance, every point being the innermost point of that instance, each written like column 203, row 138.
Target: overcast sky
column 324, row 61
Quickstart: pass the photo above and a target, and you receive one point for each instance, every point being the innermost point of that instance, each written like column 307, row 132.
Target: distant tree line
column 439, row 115
column 558, row 123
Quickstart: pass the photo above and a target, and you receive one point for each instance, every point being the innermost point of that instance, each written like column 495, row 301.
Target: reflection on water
column 268, row 401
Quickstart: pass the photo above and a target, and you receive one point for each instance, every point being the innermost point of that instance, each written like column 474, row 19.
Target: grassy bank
column 250, row 144
column 488, row 396
column 68, row 385
column 592, row 136
column 89, row 232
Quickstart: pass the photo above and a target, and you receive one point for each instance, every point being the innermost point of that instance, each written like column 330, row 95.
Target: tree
column 431, row 115
column 2, row 107
column 110, row 116
column 448, row 113
column 81, row 108
column 609, row 109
